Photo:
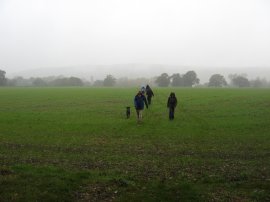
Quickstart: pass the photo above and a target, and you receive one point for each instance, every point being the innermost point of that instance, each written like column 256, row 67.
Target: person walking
column 139, row 102
column 149, row 94
column 142, row 89
column 171, row 104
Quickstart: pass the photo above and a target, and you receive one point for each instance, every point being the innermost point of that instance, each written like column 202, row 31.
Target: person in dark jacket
column 139, row 102
column 171, row 104
column 149, row 94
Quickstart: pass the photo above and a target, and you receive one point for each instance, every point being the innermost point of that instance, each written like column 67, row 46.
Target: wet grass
column 75, row 144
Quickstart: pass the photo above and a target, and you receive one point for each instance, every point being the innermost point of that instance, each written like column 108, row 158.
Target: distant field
column 75, row 144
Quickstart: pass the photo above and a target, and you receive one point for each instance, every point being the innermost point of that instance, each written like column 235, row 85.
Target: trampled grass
column 75, row 144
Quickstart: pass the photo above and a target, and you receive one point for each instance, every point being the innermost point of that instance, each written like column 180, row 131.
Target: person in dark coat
column 149, row 94
column 139, row 102
column 171, row 104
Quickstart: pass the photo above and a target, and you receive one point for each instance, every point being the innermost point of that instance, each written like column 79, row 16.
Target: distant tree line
column 47, row 81
column 189, row 79
column 3, row 79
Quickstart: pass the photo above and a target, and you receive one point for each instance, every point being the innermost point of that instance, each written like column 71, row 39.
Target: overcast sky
column 201, row 33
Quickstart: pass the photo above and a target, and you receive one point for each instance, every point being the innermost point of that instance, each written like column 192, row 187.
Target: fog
column 134, row 38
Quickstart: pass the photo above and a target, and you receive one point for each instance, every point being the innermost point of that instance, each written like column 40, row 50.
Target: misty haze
column 92, row 39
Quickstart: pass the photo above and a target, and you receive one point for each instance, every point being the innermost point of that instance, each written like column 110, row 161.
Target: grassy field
column 75, row 144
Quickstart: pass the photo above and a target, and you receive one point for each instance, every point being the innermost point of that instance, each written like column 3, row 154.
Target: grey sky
column 201, row 33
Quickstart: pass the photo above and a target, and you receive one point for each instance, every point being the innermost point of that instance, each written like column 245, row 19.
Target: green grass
column 75, row 144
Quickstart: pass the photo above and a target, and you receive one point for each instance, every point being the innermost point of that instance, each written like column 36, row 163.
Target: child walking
column 171, row 104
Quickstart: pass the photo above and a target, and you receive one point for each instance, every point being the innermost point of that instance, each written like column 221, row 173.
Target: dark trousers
column 171, row 113
column 149, row 98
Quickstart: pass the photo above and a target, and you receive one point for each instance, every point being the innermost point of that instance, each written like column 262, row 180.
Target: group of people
column 141, row 100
